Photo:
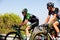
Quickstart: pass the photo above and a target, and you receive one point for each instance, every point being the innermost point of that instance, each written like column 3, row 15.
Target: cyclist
column 55, row 16
column 29, row 18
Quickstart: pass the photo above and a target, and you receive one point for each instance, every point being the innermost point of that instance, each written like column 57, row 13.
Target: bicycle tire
column 19, row 38
column 33, row 37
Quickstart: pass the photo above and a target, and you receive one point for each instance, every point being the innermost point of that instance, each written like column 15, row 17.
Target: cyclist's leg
column 29, row 28
column 55, row 25
column 27, row 32
column 57, row 29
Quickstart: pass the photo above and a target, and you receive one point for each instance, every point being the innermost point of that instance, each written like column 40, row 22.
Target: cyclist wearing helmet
column 29, row 18
column 55, row 16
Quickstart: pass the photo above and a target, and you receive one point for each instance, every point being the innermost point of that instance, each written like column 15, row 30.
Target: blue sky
column 36, row 7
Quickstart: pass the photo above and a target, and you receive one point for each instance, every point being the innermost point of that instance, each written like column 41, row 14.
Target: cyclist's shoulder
column 56, row 8
column 28, row 14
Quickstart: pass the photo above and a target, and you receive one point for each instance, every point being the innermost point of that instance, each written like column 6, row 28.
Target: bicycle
column 46, row 33
column 17, row 34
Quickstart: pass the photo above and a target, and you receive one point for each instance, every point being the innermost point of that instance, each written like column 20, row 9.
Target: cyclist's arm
column 47, row 19
column 25, row 22
column 53, row 18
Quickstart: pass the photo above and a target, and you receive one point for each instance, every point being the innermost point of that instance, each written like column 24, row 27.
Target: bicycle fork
column 53, row 38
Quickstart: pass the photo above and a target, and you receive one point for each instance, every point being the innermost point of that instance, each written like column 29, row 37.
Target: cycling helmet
column 50, row 4
column 25, row 10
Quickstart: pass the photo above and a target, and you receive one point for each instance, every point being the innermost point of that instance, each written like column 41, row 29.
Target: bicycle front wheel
column 12, row 36
column 41, row 36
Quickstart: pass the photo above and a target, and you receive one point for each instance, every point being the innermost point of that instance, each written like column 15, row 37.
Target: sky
column 36, row 7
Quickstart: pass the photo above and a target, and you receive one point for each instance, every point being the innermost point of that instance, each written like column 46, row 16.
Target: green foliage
column 7, row 20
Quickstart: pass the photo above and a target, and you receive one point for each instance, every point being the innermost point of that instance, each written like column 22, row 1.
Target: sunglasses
column 22, row 12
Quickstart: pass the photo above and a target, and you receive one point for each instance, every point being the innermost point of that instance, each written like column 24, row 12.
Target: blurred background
column 10, row 11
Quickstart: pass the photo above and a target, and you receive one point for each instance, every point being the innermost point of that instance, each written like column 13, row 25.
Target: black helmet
column 25, row 10
column 50, row 4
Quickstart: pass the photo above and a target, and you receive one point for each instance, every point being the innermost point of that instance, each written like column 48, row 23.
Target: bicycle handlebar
column 44, row 25
column 17, row 28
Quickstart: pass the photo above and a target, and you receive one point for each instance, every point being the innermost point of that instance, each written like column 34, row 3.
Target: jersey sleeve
column 27, row 16
column 56, row 10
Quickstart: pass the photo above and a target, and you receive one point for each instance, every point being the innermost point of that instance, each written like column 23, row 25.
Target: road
column 2, row 36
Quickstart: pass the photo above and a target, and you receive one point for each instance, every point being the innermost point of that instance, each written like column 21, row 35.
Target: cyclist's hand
column 15, row 25
column 42, row 24
column 45, row 24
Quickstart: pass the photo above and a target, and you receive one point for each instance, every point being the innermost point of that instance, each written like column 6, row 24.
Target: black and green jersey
column 31, row 18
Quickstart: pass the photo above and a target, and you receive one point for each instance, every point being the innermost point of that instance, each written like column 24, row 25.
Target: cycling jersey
column 32, row 19
column 56, row 11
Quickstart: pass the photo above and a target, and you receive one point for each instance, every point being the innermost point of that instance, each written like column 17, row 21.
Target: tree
column 7, row 20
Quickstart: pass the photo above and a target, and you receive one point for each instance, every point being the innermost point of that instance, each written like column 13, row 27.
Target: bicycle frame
column 18, row 31
column 46, row 30
column 53, row 38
